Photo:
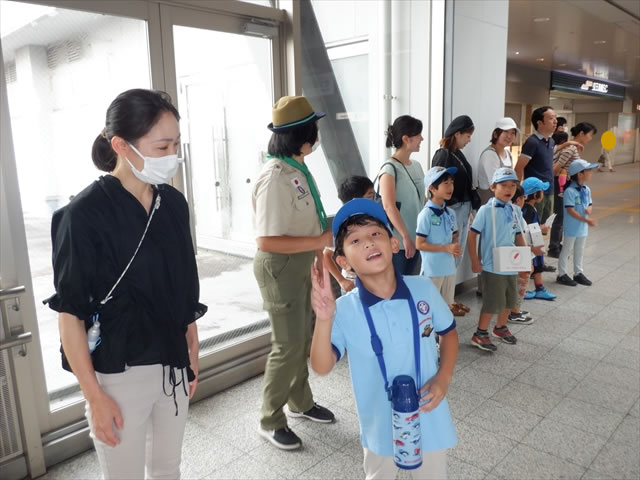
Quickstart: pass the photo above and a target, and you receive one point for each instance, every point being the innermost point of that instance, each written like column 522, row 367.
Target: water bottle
column 93, row 335
column 407, row 438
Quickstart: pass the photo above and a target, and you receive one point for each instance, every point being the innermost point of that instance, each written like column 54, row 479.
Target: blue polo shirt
column 392, row 320
column 505, row 230
column 539, row 151
column 579, row 198
column 437, row 225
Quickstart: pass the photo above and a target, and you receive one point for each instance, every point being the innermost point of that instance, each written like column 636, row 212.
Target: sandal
column 463, row 307
column 457, row 311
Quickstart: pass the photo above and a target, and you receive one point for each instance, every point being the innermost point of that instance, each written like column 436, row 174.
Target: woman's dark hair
column 583, row 127
column 449, row 143
column 354, row 187
column 131, row 116
column 290, row 143
column 560, row 137
column 519, row 193
column 359, row 220
column 403, row 125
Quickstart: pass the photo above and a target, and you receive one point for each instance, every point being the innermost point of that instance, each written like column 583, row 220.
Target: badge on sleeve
column 298, row 186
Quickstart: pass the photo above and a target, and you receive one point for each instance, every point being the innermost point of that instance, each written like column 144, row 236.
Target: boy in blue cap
column 499, row 289
column 534, row 189
column 578, row 207
column 437, row 235
column 406, row 312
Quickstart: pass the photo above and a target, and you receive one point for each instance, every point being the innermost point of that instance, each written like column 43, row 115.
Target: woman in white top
column 495, row 156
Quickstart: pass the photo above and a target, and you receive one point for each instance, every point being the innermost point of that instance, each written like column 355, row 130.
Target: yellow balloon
column 608, row 140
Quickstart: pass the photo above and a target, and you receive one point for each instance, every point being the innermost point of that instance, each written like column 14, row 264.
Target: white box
column 534, row 235
column 512, row 259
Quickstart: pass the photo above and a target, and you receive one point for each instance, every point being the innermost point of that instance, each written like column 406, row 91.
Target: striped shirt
column 566, row 156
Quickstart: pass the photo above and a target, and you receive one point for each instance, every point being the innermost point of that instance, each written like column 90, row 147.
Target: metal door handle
column 21, row 339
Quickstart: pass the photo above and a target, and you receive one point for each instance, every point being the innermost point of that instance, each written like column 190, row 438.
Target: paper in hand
column 549, row 221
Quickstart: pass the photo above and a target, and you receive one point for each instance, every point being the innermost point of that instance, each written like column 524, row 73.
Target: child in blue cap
column 578, row 207
column 534, row 189
column 406, row 312
column 499, row 289
column 437, row 235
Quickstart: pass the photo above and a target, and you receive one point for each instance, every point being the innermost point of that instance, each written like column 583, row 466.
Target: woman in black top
column 456, row 137
column 123, row 255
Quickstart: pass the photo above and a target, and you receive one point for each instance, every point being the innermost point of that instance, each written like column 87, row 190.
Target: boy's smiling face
column 368, row 249
column 504, row 191
column 444, row 190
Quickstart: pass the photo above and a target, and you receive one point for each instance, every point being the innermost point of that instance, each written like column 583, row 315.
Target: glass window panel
column 225, row 100
column 63, row 68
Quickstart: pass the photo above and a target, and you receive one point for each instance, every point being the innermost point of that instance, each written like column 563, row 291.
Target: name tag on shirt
column 298, row 186
column 436, row 220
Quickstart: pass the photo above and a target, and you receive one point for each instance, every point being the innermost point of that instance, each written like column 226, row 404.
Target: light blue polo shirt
column 505, row 231
column 432, row 225
column 392, row 320
column 579, row 198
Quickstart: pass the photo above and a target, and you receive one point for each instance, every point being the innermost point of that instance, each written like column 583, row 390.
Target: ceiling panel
column 593, row 38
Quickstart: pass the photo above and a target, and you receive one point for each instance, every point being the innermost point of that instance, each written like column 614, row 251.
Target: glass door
column 225, row 71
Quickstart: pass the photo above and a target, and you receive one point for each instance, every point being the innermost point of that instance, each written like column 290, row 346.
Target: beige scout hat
column 289, row 112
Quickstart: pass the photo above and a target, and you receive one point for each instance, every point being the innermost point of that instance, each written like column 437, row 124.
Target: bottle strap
column 156, row 206
column 376, row 345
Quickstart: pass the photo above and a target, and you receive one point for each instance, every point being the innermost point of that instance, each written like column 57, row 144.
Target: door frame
column 54, row 433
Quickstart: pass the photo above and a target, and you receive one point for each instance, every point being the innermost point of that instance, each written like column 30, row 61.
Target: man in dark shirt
column 536, row 158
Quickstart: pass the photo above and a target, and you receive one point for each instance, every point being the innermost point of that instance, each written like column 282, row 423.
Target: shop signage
column 588, row 86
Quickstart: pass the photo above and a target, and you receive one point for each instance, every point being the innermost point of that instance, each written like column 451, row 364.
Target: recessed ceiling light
column 599, row 42
column 540, row 59
column 517, row 53
column 541, row 19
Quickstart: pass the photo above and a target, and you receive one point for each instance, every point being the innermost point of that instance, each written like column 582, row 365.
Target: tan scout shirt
column 283, row 204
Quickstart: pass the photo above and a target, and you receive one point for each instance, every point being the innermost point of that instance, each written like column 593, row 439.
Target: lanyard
column 376, row 344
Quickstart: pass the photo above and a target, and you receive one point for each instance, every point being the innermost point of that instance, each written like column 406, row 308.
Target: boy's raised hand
column 322, row 300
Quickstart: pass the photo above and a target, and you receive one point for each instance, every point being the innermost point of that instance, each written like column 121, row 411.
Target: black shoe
column 582, row 280
column 553, row 253
column 548, row 268
column 316, row 414
column 566, row 280
column 282, row 438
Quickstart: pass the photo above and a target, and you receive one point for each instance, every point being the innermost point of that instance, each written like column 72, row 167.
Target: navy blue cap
column 463, row 122
column 359, row 206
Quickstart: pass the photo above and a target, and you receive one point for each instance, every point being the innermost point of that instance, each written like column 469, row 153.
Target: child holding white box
column 534, row 189
column 499, row 288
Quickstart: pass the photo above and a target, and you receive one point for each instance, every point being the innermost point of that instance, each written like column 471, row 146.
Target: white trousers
column 434, row 466
column 152, row 433
column 446, row 286
column 571, row 245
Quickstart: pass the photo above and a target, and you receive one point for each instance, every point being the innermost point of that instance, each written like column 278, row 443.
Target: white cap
column 507, row 123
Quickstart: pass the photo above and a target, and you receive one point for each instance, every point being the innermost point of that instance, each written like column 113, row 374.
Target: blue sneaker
column 544, row 295
column 529, row 294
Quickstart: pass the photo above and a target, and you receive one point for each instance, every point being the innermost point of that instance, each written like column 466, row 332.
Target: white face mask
column 156, row 170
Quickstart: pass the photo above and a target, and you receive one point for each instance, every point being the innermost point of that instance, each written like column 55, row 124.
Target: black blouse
column 462, row 180
column 93, row 239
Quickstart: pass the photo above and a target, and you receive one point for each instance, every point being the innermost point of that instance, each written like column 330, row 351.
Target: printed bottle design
column 407, row 439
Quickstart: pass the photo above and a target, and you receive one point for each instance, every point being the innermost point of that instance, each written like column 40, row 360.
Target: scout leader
column 289, row 222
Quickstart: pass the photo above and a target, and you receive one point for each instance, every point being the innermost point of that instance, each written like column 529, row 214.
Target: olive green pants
column 285, row 285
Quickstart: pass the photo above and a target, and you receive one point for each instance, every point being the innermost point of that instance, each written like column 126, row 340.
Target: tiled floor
column 562, row 403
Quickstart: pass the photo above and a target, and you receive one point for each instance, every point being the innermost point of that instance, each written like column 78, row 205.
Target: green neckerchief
column 312, row 186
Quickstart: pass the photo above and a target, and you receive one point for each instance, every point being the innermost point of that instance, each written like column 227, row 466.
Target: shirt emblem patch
column 436, row 220
column 298, row 186
column 427, row 331
column 423, row 307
